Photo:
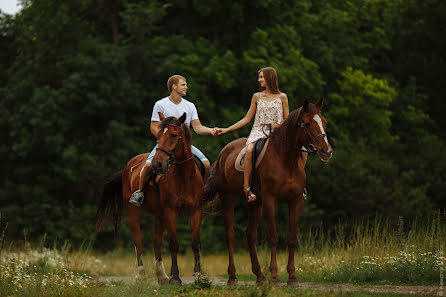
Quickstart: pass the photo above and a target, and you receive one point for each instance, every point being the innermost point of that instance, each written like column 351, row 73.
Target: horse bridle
column 311, row 148
column 172, row 154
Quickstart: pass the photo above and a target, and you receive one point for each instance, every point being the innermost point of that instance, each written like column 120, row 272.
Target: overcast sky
column 9, row 6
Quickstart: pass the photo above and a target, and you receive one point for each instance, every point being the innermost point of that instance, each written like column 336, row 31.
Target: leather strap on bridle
column 172, row 154
column 311, row 148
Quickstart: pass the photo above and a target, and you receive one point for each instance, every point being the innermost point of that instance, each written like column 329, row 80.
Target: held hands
column 215, row 131
column 218, row 131
column 222, row 131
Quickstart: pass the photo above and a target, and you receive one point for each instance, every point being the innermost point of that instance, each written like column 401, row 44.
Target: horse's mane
column 173, row 121
column 280, row 134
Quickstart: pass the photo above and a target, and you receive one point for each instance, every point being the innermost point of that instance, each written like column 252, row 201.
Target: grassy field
column 374, row 253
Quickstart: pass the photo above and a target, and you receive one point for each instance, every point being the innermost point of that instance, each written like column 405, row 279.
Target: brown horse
column 281, row 180
column 181, row 191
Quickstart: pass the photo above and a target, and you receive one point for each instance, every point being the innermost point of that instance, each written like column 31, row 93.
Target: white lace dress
column 267, row 112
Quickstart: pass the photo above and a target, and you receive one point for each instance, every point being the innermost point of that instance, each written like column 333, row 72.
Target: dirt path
column 219, row 281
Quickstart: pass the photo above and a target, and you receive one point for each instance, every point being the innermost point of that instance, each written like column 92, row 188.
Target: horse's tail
column 210, row 189
column 111, row 203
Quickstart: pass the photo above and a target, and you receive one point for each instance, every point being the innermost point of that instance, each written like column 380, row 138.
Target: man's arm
column 202, row 130
column 154, row 128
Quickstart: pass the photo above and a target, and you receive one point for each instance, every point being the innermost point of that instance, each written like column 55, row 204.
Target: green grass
column 377, row 252
column 374, row 253
column 142, row 289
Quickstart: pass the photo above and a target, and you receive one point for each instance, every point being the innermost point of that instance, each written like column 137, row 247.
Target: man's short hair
column 173, row 80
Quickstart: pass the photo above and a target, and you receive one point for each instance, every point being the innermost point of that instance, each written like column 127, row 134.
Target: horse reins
column 270, row 126
column 172, row 154
column 311, row 148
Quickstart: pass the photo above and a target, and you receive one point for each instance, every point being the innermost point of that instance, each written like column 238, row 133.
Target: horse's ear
column 306, row 104
column 161, row 116
column 320, row 102
column 181, row 119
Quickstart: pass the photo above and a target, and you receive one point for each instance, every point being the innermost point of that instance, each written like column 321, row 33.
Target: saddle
column 257, row 154
column 200, row 165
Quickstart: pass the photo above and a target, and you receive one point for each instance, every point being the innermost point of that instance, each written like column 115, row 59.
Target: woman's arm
column 248, row 117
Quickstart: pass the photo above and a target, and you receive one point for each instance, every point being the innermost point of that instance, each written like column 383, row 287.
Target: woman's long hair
column 270, row 76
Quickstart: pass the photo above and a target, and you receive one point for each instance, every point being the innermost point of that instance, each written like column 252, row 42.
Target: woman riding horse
column 281, row 180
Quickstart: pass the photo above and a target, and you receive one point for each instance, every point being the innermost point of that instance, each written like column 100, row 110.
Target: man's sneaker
column 137, row 198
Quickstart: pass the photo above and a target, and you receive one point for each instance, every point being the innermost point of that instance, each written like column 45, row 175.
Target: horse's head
column 173, row 143
column 314, row 137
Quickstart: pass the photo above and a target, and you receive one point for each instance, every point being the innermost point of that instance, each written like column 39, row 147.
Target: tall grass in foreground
column 381, row 251
column 42, row 272
column 378, row 251
column 372, row 252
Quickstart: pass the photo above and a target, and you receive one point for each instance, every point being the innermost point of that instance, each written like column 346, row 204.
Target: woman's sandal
column 250, row 196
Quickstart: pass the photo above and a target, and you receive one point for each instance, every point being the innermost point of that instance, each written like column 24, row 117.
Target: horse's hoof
column 163, row 281
column 175, row 282
column 274, row 282
column 261, row 281
column 140, row 273
column 292, row 283
column 232, row 282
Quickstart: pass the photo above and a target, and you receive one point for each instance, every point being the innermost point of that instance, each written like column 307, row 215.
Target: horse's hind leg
column 170, row 219
column 157, row 239
column 195, row 223
column 134, row 224
column 268, row 213
column 228, row 215
column 294, row 209
column 254, row 215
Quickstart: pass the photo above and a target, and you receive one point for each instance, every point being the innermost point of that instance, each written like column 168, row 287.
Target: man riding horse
column 173, row 105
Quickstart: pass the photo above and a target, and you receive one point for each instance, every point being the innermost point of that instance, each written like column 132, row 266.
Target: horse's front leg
column 195, row 223
column 170, row 221
column 133, row 213
column 157, row 239
column 294, row 209
column 254, row 215
column 268, row 212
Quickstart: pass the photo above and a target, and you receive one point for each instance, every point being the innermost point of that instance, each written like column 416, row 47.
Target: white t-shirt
column 170, row 109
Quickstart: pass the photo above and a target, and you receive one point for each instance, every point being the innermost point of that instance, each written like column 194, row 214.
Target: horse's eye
column 173, row 135
column 307, row 124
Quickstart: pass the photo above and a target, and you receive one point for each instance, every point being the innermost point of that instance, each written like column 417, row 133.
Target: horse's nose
column 327, row 151
column 157, row 166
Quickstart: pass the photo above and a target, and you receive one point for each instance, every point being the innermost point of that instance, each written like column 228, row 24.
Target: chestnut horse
column 180, row 192
column 281, row 180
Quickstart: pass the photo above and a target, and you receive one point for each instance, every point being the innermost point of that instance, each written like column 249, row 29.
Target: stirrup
column 250, row 197
column 137, row 198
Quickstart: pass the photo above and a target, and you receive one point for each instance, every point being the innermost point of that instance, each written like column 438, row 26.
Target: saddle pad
column 241, row 157
column 200, row 165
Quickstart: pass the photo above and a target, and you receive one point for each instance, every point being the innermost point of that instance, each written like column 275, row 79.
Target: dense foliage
column 78, row 80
